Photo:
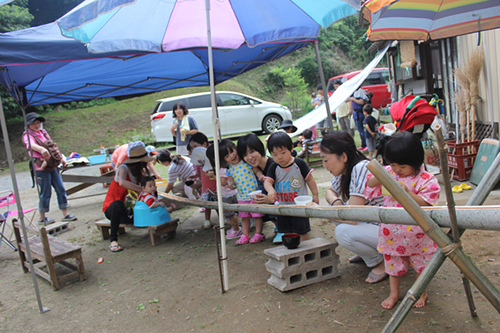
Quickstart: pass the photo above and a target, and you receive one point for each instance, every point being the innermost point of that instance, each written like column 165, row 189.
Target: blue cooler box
column 145, row 216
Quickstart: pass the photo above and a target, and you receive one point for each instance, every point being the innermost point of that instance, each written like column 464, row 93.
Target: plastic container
column 145, row 216
column 253, row 194
column 97, row 159
column 103, row 151
column 303, row 200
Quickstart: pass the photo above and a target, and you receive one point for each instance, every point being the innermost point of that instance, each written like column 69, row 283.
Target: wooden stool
column 105, row 168
column 49, row 250
column 155, row 231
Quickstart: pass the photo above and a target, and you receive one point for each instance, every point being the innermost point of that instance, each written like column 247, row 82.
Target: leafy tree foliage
column 15, row 16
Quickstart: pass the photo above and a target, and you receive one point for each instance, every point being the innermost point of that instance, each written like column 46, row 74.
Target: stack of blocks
column 313, row 261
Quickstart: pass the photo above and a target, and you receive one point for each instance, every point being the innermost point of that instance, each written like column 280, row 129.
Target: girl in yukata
column 404, row 245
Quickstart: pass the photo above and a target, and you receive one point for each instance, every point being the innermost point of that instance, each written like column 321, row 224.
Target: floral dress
column 405, row 240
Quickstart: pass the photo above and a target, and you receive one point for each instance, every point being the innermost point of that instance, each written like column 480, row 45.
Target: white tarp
column 338, row 97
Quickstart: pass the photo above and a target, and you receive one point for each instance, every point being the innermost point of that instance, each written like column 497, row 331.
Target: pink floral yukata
column 404, row 245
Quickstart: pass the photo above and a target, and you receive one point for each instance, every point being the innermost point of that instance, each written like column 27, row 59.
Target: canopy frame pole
column 452, row 250
column 225, row 274
column 443, row 158
column 41, row 308
column 325, row 90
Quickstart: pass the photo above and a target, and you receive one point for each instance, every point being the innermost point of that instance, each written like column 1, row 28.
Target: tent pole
column 325, row 88
column 215, row 119
column 5, row 133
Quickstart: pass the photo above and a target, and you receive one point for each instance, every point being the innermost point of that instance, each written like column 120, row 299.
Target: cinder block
column 313, row 261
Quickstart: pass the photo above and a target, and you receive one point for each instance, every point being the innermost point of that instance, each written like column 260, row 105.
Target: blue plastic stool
column 145, row 216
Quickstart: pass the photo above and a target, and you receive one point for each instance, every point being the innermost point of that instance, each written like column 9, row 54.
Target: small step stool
column 313, row 261
column 57, row 228
column 155, row 231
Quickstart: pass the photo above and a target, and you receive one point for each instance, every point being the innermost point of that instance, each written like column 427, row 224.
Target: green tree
column 15, row 16
column 296, row 95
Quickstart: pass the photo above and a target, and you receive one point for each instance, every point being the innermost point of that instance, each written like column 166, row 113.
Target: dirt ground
column 175, row 286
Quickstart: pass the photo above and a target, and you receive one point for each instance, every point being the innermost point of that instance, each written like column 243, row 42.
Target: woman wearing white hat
column 128, row 177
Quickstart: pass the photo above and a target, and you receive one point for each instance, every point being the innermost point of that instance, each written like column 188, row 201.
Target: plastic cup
column 253, row 195
column 303, row 200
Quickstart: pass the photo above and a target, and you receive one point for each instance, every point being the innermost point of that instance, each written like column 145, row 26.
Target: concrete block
column 313, row 261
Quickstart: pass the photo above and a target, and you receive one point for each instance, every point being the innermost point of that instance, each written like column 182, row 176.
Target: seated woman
column 128, row 177
column 348, row 167
column 179, row 168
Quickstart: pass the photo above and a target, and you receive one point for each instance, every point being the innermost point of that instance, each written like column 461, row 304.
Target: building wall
column 488, row 108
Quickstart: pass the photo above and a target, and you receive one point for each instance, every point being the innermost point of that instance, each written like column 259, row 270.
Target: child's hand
column 261, row 178
column 316, row 198
column 162, row 204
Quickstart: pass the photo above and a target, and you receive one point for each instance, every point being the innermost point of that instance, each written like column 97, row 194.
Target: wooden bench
column 315, row 153
column 155, row 231
column 49, row 250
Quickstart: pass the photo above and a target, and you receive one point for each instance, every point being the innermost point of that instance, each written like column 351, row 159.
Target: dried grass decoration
column 473, row 71
column 463, row 81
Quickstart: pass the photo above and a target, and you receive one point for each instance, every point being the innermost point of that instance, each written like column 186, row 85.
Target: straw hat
column 137, row 152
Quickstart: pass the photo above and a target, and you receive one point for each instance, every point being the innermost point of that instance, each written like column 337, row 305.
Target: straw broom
column 473, row 71
column 459, row 98
column 463, row 81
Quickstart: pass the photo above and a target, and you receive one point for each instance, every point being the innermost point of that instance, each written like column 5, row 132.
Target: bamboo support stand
column 443, row 158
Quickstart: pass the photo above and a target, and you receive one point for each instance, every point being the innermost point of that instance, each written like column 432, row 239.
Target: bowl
column 253, row 194
column 303, row 200
column 291, row 241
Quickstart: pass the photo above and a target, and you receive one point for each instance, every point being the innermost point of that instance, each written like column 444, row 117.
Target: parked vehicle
column 375, row 83
column 238, row 113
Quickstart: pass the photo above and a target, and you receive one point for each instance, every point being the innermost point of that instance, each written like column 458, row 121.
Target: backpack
column 55, row 155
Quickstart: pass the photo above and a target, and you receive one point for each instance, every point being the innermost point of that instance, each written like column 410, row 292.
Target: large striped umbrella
column 169, row 25
column 429, row 19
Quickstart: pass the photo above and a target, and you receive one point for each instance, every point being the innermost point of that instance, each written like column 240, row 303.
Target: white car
column 238, row 113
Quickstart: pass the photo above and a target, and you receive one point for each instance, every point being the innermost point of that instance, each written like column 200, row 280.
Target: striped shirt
column 181, row 171
column 358, row 184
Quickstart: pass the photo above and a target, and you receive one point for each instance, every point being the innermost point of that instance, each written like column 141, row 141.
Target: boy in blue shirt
column 289, row 175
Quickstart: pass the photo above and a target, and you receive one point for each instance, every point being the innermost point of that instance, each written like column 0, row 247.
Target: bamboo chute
column 474, row 218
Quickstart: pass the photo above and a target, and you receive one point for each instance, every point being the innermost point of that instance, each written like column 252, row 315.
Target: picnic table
column 83, row 177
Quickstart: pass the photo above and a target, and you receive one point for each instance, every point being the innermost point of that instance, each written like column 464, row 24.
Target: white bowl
column 303, row 200
column 253, row 194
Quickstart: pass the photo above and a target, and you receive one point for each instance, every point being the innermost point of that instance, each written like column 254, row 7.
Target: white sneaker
column 207, row 224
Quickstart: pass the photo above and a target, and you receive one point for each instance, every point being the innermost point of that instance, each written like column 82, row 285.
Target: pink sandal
column 257, row 238
column 244, row 239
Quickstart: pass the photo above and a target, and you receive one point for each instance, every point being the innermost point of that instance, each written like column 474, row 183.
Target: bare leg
column 258, row 225
column 304, row 237
column 422, row 300
column 65, row 212
column 394, row 295
column 245, row 225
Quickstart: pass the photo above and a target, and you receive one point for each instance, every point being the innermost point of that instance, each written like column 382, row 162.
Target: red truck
column 375, row 83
